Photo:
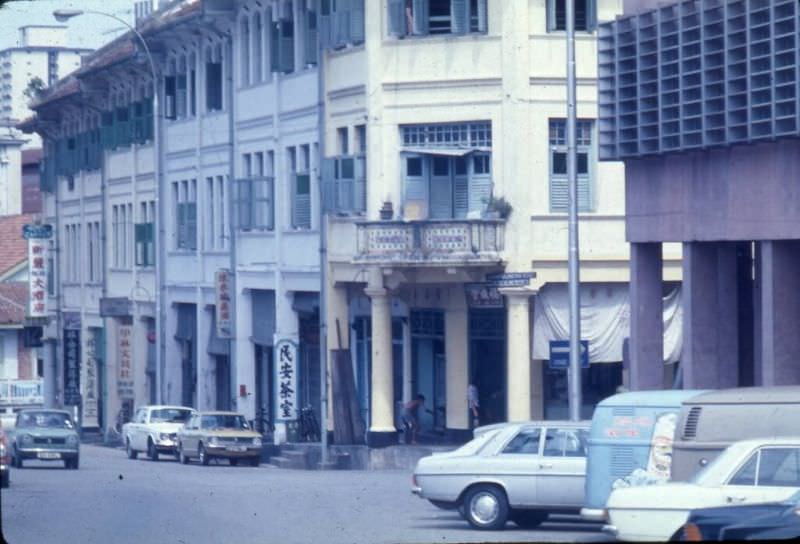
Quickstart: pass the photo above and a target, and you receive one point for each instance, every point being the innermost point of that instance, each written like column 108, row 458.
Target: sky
column 87, row 30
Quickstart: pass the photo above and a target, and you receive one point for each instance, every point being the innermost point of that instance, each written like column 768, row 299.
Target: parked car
column 749, row 471
column 745, row 521
column 630, row 443
column 517, row 471
column 214, row 435
column 47, row 435
column 5, row 460
column 154, row 430
column 713, row 420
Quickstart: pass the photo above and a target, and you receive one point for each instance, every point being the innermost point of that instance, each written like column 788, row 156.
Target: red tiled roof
column 13, row 299
column 13, row 247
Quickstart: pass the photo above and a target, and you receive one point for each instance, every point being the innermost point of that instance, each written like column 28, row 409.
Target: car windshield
column 170, row 415
column 223, row 421
column 52, row 420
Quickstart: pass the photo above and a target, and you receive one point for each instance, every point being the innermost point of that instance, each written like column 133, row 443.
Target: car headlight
column 163, row 436
column 256, row 441
column 212, row 440
column 26, row 439
column 72, row 439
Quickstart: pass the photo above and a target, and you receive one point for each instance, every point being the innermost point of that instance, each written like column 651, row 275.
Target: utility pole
column 574, row 375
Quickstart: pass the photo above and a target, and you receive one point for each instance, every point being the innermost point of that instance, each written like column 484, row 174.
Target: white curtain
column 605, row 320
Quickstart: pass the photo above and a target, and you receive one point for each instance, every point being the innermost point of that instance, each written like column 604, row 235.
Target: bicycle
column 263, row 420
column 309, row 428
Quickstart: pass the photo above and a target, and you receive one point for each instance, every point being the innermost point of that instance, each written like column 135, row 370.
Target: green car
column 47, row 435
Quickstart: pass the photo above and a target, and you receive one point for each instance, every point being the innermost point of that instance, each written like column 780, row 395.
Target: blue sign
column 37, row 231
column 510, row 279
column 559, row 354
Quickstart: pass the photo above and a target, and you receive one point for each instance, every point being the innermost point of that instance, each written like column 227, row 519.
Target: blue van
column 630, row 443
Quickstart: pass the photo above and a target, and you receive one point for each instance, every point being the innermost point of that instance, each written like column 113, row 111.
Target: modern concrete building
column 699, row 99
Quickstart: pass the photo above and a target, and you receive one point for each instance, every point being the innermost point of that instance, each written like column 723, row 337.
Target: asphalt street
column 111, row 499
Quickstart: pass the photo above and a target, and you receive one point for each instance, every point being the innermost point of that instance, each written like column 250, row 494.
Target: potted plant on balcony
column 387, row 211
column 497, row 208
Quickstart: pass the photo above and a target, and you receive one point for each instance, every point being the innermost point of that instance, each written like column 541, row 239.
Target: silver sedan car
column 517, row 471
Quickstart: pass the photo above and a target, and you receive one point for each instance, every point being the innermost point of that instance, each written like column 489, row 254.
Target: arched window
column 245, row 50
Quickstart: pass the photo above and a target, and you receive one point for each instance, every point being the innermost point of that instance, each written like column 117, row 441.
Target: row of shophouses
column 431, row 132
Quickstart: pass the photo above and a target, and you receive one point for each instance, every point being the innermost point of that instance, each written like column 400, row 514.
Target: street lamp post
column 63, row 15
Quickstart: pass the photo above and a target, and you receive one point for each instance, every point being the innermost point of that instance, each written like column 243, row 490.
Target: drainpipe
column 323, row 249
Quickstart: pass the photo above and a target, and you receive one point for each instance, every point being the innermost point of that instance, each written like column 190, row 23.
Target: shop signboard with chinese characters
column 223, row 302
column 72, row 359
column 286, row 380
column 483, row 295
column 90, row 389
column 125, row 363
column 38, row 237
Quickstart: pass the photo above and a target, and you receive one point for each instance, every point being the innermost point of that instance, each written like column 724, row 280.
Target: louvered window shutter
column 459, row 16
column 346, row 182
column 181, row 220
column 591, row 15
column 357, row 21
column 191, row 225
column 360, row 189
column 482, row 18
column 329, row 184
column 551, row 15
column 311, row 45
column 341, row 17
column 397, row 18
column 286, row 47
column 421, row 11
column 559, row 194
column 302, row 200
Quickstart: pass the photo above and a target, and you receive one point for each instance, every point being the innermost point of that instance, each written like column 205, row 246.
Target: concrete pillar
column 518, row 355
column 647, row 321
column 456, row 331
column 407, row 366
column 337, row 312
column 382, row 431
column 710, row 317
column 537, row 389
column 171, row 378
column 780, row 312
column 758, row 372
column 245, row 367
column 206, row 364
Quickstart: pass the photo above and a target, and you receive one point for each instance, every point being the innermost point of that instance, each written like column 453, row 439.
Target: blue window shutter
column 341, row 16
column 459, row 16
column 191, row 225
column 275, row 47
column 311, row 45
column 591, row 15
column 360, row 190
column 415, row 205
column 559, row 193
column 421, row 11
column 397, row 18
column 483, row 25
column 357, row 21
column 441, row 191
column 345, row 178
column 302, row 200
column 585, row 194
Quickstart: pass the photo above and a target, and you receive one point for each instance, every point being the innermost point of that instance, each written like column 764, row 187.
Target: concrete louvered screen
column 698, row 74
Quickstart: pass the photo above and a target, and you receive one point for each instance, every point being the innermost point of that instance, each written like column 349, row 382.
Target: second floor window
column 559, row 188
column 184, row 194
column 585, row 15
column 144, row 235
column 214, row 78
column 427, row 17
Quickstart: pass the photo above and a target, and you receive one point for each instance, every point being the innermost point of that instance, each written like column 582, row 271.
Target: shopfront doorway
column 428, row 367
column 487, row 354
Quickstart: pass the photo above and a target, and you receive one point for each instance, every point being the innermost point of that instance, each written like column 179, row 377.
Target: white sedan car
column 154, row 430
column 750, row 471
column 517, row 471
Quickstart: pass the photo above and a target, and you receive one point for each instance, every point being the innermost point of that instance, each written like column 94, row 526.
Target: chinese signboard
column 38, row 239
column 90, row 381
column 286, row 368
column 125, row 362
column 223, row 308
column 115, row 307
column 72, row 366
column 483, row 295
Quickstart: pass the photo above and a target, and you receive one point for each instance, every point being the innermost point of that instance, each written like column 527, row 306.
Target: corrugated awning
column 445, row 151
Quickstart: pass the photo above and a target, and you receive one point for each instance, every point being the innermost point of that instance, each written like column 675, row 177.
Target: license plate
column 236, row 448
column 48, row 455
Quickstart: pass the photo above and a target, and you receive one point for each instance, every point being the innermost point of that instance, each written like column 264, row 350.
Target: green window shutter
column 459, row 16
column 71, row 156
column 311, row 45
column 420, row 15
column 191, row 225
column 357, row 21
column 147, row 115
column 140, row 243
column 397, row 18
column 286, row 47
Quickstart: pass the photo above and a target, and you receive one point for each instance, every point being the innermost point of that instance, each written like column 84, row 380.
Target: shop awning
column 445, row 150
column 263, row 315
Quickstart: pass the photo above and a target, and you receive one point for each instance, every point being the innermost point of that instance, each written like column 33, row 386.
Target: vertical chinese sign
column 223, row 302
column 72, row 359
column 38, row 237
column 89, row 417
column 286, row 381
column 125, row 366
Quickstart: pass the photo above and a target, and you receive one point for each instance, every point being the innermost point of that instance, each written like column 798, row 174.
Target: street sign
column 37, row 231
column 559, row 354
column 510, row 279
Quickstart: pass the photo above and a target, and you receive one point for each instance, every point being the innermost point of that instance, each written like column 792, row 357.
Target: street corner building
column 190, row 183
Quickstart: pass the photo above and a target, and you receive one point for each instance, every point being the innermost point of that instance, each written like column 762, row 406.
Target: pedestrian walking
column 473, row 403
column 411, row 418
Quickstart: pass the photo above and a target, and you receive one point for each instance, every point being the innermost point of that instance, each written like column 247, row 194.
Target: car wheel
column 132, row 453
column 255, row 461
column 233, row 462
column 202, row 455
column 182, row 457
column 462, row 510
column 486, row 507
column 444, row 505
column 72, row 464
column 528, row 519
column 152, row 452
column 6, row 479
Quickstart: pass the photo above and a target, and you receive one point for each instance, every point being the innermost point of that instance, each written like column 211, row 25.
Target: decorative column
column 382, row 431
column 457, row 366
column 518, row 355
